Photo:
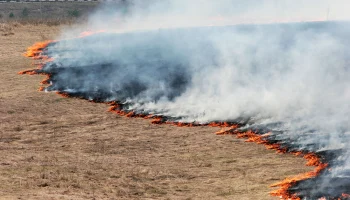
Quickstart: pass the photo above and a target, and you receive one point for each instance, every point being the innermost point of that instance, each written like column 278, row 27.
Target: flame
column 41, row 88
column 37, row 48
column 157, row 120
column 343, row 196
column 87, row 33
column 228, row 128
column 63, row 94
column 34, row 52
column 29, row 72
column 46, row 80
column 283, row 193
column 117, row 108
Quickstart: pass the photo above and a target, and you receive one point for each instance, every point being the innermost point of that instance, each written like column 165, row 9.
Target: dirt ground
column 58, row 148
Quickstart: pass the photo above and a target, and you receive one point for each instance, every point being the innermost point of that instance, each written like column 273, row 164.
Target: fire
column 345, row 195
column 87, row 33
column 227, row 128
column 157, row 120
column 63, row 94
column 282, row 192
column 250, row 136
column 46, row 80
column 34, row 52
column 41, row 88
column 29, row 72
column 37, row 48
column 117, row 108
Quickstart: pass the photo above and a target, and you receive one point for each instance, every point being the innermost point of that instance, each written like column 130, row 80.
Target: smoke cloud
column 182, row 59
column 163, row 14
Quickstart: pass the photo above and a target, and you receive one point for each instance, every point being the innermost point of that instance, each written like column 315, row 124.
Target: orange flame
column 29, row 72
column 63, row 94
column 282, row 192
column 116, row 108
column 36, row 49
column 87, row 33
column 345, row 195
column 41, row 88
column 312, row 160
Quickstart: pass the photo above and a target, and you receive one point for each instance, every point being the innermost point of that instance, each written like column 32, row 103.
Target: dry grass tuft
column 6, row 29
column 39, row 21
column 48, row 22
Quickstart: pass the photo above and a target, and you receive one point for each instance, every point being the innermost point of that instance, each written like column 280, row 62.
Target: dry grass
column 41, row 21
column 56, row 148
column 6, row 29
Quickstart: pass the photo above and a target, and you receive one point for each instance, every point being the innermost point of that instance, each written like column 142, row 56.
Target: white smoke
column 130, row 15
column 254, row 73
column 153, row 14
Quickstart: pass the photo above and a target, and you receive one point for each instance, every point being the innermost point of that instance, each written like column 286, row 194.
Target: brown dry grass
column 6, row 29
column 57, row 148
column 39, row 21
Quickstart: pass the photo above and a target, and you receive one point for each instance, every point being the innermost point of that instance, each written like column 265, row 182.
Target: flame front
column 35, row 50
column 283, row 193
column 228, row 128
column 285, row 186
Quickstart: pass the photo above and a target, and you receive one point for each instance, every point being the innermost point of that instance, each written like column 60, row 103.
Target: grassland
column 58, row 148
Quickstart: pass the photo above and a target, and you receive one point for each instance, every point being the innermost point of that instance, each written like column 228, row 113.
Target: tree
column 11, row 15
column 74, row 13
column 25, row 12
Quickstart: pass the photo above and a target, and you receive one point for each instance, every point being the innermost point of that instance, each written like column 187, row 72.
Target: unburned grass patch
column 6, row 29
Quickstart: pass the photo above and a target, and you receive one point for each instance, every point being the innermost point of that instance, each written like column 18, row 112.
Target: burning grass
column 35, row 50
column 295, row 188
column 284, row 191
column 77, row 151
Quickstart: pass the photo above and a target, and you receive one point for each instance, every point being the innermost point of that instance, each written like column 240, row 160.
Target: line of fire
column 145, row 74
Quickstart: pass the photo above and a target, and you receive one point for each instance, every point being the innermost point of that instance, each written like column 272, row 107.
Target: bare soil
column 60, row 148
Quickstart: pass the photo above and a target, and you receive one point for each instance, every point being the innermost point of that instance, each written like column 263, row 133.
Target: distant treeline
column 19, row 1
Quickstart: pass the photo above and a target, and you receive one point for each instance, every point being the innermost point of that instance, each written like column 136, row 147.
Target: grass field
column 58, row 148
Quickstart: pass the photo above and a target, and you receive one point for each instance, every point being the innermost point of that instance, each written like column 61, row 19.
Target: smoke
column 129, row 15
column 182, row 59
column 153, row 14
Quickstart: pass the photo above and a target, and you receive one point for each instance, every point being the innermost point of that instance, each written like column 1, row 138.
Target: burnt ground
column 59, row 148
